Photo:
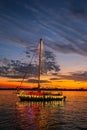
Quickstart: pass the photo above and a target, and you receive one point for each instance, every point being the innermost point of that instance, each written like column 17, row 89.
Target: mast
column 39, row 64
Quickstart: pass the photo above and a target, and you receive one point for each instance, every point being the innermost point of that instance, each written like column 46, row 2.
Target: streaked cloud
column 80, row 76
column 76, row 76
column 62, row 24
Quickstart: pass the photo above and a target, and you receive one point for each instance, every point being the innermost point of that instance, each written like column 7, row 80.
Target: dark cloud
column 18, row 69
column 36, row 81
column 80, row 76
column 54, row 78
column 48, row 61
column 4, row 60
column 77, row 76
column 13, row 69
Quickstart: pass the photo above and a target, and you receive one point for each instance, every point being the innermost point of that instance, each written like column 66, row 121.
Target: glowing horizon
column 63, row 28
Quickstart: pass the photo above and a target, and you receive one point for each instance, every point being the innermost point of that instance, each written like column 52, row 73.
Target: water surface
column 55, row 115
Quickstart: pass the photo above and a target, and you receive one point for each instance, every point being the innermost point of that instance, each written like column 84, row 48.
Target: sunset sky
column 62, row 24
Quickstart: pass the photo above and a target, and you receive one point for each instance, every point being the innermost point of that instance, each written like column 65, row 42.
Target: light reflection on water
column 55, row 115
column 38, row 115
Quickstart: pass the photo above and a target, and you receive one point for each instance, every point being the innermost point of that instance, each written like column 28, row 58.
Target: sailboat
column 39, row 95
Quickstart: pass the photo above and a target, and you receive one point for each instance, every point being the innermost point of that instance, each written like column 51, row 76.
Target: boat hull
column 41, row 98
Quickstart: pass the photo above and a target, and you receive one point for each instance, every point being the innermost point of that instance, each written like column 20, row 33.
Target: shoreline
column 54, row 89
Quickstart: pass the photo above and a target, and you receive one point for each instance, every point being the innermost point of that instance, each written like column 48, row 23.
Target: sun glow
column 67, row 84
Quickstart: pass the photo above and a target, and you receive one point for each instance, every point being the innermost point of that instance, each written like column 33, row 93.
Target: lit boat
column 39, row 95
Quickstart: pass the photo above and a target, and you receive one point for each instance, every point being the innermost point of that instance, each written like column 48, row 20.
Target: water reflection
column 68, row 115
column 38, row 115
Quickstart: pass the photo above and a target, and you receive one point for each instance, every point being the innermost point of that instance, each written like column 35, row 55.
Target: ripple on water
column 69, row 115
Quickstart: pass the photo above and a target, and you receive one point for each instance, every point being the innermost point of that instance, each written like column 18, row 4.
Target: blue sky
column 62, row 24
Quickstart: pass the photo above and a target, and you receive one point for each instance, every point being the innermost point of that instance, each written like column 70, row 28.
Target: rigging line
column 28, row 66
